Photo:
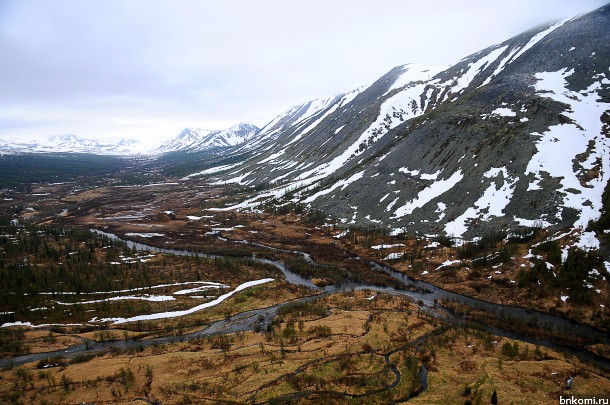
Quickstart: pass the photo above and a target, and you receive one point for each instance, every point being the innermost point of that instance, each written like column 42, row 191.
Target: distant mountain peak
column 193, row 133
column 66, row 138
column 129, row 142
column 70, row 143
column 199, row 139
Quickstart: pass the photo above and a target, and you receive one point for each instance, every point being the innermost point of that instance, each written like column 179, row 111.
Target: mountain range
column 73, row 144
column 200, row 140
column 189, row 140
column 515, row 135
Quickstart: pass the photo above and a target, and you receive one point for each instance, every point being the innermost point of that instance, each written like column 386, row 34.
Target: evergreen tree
column 494, row 398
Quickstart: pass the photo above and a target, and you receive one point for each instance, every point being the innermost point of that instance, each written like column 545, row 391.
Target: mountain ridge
column 510, row 136
column 462, row 151
column 199, row 140
column 189, row 140
column 70, row 143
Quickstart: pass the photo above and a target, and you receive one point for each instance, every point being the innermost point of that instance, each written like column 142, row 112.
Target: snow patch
column 174, row 314
column 559, row 147
column 394, row 256
column 415, row 73
column 474, row 69
column 431, row 192
column 448, row 263
column 211, row 171
column 377, row 247
column 504, row 112
column 491, row 203
column 342, row 183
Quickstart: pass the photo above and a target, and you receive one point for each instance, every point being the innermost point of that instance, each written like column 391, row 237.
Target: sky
column 111, row 69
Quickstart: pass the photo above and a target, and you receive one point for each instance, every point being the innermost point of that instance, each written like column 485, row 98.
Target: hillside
column 513, row 135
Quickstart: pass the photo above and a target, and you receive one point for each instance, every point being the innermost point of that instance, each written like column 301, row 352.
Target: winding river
column 426, row 294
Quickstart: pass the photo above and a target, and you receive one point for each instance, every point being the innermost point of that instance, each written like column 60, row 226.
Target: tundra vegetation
column 355, row 345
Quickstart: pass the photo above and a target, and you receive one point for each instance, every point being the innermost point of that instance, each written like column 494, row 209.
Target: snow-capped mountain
column 516, row 134
column 189, row 140
column 198, row 140
column 73, row 144
column 293, row 118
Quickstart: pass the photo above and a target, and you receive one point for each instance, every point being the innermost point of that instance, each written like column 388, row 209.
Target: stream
column 426, row 294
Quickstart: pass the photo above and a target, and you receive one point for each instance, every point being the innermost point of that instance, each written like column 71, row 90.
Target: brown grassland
column 343, row 355
column 344, row 347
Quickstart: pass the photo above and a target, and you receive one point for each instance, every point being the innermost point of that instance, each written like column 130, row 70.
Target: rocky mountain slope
column 514, row 135
column 200, row 140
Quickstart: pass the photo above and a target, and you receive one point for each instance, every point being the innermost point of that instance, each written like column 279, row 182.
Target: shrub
column 510, row 350
column 551, row 249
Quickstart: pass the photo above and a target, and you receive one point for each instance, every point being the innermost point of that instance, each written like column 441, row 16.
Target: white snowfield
column 326, row 114
column 518, row 51
column 342, row 183
column 414, row 72
column 491, row 203
column 300, row 113
column 474, row 68
column 73, row 143
column 198, row 139
column 447, row 263
column 428, row 194
column 564, row 142
column 175, row 314
column 394, row 111
column 341, row 235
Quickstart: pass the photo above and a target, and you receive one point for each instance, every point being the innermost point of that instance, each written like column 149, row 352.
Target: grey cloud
column 137, row 67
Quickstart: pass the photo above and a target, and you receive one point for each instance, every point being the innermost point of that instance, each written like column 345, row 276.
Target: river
column 426, row 294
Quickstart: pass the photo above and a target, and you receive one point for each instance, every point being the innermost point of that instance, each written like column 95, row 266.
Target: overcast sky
column 146, row 68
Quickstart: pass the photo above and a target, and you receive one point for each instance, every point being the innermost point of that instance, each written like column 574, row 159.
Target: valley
column 136, row 306
column 439, row 235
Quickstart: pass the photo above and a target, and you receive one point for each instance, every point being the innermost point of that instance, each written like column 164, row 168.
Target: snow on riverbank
column 199, row 289
column 44, row 325
column 146, row 297
column 161, row 315
column 208, row 283
column 175, row 314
